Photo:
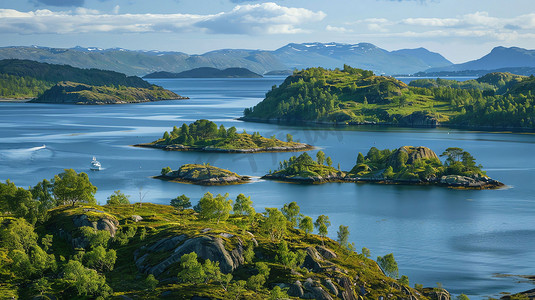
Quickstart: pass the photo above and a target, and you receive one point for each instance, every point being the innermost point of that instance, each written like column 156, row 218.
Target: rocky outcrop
column 104, row 222
column 326, row 253
column 137, row 218
column 470, row 182
column 436, row 294
column 296, row 290
column 348, row 293
column 419, row 119
column 313, row 290
column 206, row 247
column 417, row 153
column 204, row 175
column 312, row 259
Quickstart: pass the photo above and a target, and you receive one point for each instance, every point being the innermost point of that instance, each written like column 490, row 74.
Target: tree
column 215, row 208
column 71, row 187
column 275, row 223
column 95, row 237
column 389, row 265
column 343, row 235
column 236, row 289
column 366, row 252
column 454, row 154
column 289, row 138
column 388, row 173
column 321, row 224
column 100, row 259
column 306, row 224
column 181, row 202
column 87, row 282
column 277, row 294
column 46, row 241
column 242, row 205
column 248, row 254
column 118, row 198
column 291, row 211
column 18, row 235
column 329, row 161
column 192, row 270
column 255, row 282
column 166, row 170
column 463, row 296
column 320, row 157
column 404, row 279
column 151, row 282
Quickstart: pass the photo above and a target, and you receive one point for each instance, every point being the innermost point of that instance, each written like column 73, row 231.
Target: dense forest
column 57, row 243
column 355, row 96
column 30, row 79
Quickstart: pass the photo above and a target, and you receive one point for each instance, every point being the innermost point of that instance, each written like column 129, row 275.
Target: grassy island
column 204, row 135
column 203, row 175
column 221, row 249
column 354, row 97
column 405, row 165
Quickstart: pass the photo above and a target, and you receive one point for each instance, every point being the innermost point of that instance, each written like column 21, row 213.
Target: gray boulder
column 296, row 290
column 106, row 222
column 331, row 287
column 326, row 253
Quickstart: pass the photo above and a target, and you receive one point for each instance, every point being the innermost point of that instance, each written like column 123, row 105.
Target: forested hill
column 56, row 73
column 51, row 83
column 207, row 72
column 355, row 96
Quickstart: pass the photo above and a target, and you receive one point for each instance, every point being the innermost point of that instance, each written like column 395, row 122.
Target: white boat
column 95, row 165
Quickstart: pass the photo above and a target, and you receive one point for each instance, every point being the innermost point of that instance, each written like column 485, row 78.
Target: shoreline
column 387, row 124
column 15, row 100
column 302, row 147
column 491, row 184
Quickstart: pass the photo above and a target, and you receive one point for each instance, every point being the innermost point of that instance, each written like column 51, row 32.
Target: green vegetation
column 407, row 164
column 414, row 163
column 79, row 93
column 303, row 166
column 354, row 96
column 71, row 254
column 205, row 135
column 204, row 174
column 118, row 198
column 50, row 83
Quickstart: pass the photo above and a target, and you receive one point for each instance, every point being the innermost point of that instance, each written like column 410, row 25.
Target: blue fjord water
column 465, row 240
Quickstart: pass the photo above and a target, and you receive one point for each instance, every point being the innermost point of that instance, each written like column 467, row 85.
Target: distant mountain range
column 292, row 56
column 206, row 72
column 289, row 57
column 498, row 58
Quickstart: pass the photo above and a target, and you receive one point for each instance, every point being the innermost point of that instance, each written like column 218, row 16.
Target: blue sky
column 460, row 30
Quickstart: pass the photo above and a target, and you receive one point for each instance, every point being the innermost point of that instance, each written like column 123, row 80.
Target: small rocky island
column 204, row 135
column 203, row 175
column 405, row 165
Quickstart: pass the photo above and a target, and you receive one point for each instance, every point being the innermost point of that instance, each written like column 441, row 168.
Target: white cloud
column 265, row 18
column 338, row 29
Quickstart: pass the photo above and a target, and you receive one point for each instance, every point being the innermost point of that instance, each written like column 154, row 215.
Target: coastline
column 488, row 184
column 389, row 124
column 300, row 147
column 15, row 100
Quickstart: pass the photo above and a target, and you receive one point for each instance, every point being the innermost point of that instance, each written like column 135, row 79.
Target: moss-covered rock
column 204, row 175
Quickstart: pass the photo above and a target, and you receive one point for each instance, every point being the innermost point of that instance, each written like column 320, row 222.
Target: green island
column 358, row 97
column 49, row 83
column 405, row 165
column 204, row 135
column 57, row 243
column 204, row 174
column 207, row 72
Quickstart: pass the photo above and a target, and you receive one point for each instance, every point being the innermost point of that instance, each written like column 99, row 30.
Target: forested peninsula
column 57, row 243
column 204, row 135
column 405, row 165
column 49, row 83
column 354, row 97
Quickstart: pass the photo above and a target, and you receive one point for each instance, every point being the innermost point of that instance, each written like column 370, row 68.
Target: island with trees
column 352, row 96
column 57, row 243
column 205, row 135
column 405, row 165
column 50, row 83
column 204, row 174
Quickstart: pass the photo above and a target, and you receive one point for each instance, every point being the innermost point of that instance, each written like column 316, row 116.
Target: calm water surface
column 462, row 239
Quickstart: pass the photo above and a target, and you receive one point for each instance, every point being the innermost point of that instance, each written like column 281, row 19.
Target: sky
column 460, row 30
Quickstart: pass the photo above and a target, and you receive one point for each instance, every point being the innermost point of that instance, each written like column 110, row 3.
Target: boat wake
column 26, row 153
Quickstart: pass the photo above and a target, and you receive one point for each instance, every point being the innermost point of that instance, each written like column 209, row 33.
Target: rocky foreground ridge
column 158, row 236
